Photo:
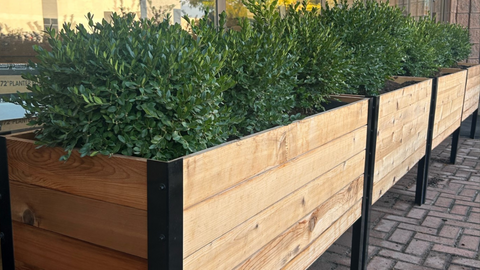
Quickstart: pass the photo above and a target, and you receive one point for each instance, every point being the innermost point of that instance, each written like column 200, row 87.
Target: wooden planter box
column 472, row 90
column 274, row 199
column 450, row 93
column 401, row 132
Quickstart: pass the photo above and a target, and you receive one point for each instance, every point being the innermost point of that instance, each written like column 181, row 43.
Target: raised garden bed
column 274, row 199
column 401, row 132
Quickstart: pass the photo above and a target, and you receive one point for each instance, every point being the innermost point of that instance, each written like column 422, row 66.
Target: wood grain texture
column 286, row 246
column 402, row 133
column 394, row 101
column 244, row 240
column 472, row 91
column 449, row 107
column 50, row 251
column 385, row 183
column 105, row 224
column 214, row 217
column 310, row 254
column 260, row 152
column 118, row 179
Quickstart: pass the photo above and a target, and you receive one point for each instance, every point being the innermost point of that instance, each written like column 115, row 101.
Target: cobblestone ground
column 444, row 233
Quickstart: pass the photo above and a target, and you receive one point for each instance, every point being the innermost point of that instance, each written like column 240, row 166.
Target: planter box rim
column 21, row 136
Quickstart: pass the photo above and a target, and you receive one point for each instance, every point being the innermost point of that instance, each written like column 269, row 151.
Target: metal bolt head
column 162, row 237
column 163, row 187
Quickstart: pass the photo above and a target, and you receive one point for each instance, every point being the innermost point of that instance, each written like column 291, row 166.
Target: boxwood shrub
column 154, row 90
column 131, row 87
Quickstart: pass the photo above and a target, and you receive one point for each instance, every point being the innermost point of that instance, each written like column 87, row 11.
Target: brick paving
column 444, row 233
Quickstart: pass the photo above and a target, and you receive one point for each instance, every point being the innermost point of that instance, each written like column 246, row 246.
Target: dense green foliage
column 373, row 32
column 324, row 62
column 129, row 87
column 431, row 45
column 157, row 91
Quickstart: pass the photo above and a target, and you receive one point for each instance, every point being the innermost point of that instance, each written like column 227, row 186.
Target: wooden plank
column 446, row 127
column 117, row 179
column 47, row 250
column 265, row 150
column 214, row 217
column 309, row 255
column 447, row 132
column 284, row 248
column 472, row 91
column 402, row 79
column 409, row 145
column 396, row 100
column 105, row 224
column 385, row 183
column 238, row 244
column 391, row 127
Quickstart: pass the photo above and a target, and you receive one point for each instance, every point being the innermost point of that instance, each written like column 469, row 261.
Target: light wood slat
column 446, row 127
column 238, row 244
column 447, row 132
column 385, row 183
column 402, row 79
column 207, row 221
column 105, row 224
column 472, row 91
column 284, row 248
column 268, row 149
column 396, row 100
column 50, row 251
column 308, row 256
column 391, row 128
column 404, row 149
column 119, row 179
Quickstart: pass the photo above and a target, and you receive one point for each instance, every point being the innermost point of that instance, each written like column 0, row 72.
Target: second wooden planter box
column 274, row 199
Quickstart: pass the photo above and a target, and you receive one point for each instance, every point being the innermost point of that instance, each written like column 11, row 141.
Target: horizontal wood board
column 105, row 224
column 117, row 179
column 402, row 132
column 36, row 248
column 207, row 221
column 309, row 255
column 285, row 247
column 448, row 110
column 268, row 149
column 472, row 91
column 332, row 191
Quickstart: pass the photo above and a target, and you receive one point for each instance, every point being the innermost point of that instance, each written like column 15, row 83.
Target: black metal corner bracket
column 424, row 163
column 6, row 234
column 361, row 227
column 165, row 214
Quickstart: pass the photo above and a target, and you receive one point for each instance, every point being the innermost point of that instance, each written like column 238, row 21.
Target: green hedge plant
column 131, row 87
column 374, row 34
column 323, row 60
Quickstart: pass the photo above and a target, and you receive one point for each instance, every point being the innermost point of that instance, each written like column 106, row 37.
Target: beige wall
column 28, row 14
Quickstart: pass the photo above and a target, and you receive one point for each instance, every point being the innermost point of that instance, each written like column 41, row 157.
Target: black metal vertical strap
column 424, row 163
column 474, row 124
column 6, row 235
column 361, row 227
column 455, row 140
column 165, row 214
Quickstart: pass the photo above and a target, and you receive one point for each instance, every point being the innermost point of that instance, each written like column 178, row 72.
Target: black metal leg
column 424, row 163
column 421, row 183
column 6, row 235
column 455, row 140
column 361, row 228
column 474, row 124
column 165, row 214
